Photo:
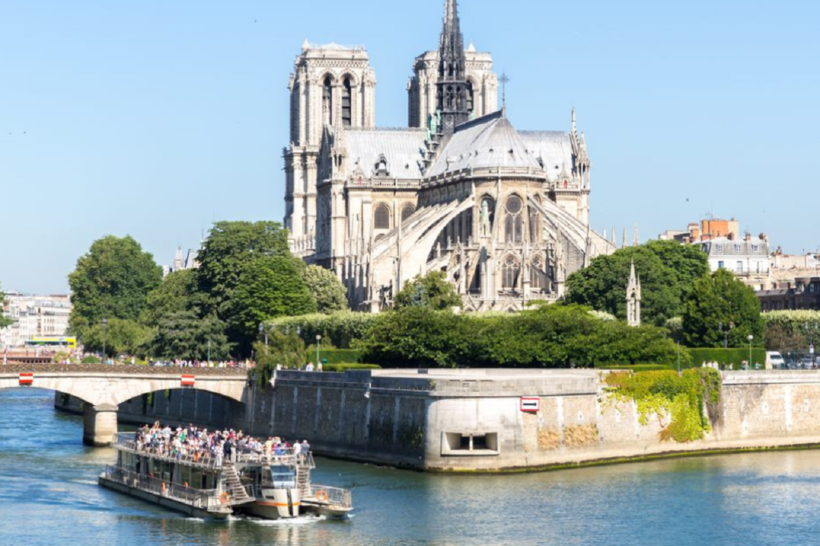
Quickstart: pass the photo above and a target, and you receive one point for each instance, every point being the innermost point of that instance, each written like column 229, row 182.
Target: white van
column 774, row 361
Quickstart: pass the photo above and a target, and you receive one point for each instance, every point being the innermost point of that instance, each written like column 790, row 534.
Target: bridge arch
column 103, row 389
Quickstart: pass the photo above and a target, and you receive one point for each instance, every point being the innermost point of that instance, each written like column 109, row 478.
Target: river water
column 49, row 496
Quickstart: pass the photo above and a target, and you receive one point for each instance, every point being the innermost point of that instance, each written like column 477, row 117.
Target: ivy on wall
column 688, row 398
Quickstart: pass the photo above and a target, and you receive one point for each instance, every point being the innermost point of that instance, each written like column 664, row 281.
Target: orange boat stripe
column 277, row 504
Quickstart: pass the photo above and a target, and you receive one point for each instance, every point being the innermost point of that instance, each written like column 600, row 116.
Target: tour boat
column 272, row 487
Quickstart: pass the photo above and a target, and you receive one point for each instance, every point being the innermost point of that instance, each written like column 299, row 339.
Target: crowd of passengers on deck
column 202, row 445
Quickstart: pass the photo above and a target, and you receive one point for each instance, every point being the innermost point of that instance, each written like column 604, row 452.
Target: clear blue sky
column 154, row 118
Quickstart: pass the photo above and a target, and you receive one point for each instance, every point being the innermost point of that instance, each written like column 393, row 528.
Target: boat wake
column 287, row 522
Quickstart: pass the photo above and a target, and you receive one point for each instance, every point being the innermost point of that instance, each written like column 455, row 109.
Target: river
column 49, row 496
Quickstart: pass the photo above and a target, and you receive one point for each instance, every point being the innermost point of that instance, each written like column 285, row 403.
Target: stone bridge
column 104, row 388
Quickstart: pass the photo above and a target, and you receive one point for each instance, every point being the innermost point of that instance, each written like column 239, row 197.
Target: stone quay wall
column 472, row 420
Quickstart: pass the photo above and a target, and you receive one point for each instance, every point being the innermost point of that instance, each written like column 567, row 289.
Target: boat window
column 283, row 477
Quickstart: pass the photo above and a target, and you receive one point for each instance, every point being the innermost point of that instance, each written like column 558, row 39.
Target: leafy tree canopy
column 228, row 250
column 4, row 321
column 184, row 335
column 721, row 298
column 418, row 337
column 270, row 287
column 121, row 337
column 328, row 291
column 283, row 348
column 176, row 294
column 432, row 291
column 667, row 271
column 112, row 280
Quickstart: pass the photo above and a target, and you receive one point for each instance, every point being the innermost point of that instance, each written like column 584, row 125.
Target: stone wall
column 472, row 420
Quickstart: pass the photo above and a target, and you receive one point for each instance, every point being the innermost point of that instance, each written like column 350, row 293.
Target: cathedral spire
column 633, row 298
column 453, row 90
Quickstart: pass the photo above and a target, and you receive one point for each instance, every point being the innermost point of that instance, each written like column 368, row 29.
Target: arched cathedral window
column 347, row 103
column 509, row 273
column 535, row 225
column 538, row 275
column 327, row 101
column 407, row 212
column 514, row 223
column 381, row 220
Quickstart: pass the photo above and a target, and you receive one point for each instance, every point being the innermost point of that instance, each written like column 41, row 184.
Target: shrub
column 337, row 330
column 344, row 367
column 789, row 331
column 727, row 356
column 91, row 360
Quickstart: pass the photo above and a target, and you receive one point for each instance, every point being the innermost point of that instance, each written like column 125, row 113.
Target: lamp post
column 750, row 338
column 209, row 352
column 104, row 326
column 318, row 343
column 729, row 328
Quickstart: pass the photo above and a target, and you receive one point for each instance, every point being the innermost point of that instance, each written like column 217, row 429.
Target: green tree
column 113, row 281
column 418, row 337
column 328, row 291
column 176, row 294
column 228, row 250
column 432, row 291
column 283, row 348
column 721, row 298
column 121, row 337
column 4, row 321
column 667, row 271
column 270, row 287
column 185, row 336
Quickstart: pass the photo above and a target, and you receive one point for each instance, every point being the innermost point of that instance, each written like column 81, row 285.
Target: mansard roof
column 402, row 150
column 487, row 142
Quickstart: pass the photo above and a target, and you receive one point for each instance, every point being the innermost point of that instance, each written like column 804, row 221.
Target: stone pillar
column 99, row 425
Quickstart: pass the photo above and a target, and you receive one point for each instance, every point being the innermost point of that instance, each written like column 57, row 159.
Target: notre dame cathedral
column 505, row 213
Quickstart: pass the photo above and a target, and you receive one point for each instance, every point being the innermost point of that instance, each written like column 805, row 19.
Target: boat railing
column 332, row 496
column 203, row 459
column 205, row 499
column 197, row 459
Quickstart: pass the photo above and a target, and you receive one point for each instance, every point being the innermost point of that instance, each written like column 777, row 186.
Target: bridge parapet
column 103, row 388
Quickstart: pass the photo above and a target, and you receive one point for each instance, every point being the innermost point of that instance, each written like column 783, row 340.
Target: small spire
column 305, row 45
column 504, row 80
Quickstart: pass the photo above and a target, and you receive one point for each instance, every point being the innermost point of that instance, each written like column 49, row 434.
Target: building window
column 719, row 249
column 738, row 249
column 755, row 248
column 381, row 220
column 538, row 276
column 510, row 273
column 347, row 102
column 327, row 101
column 740, row 267
column 721, row 264
column 470, row 98
column 407, row 212
column 514, row 223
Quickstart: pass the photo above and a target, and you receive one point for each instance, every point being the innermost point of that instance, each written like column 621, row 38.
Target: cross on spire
column 504, row 80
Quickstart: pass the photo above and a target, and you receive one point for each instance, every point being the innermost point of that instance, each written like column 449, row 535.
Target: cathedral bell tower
column 453, row 89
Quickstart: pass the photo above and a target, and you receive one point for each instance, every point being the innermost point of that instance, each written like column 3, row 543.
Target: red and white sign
column 187, row 381
column 530, row 404
column 26, row 379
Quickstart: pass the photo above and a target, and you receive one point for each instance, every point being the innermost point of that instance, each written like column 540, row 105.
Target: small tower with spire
column 453, row 88
column 179, row 260
column 633, row 298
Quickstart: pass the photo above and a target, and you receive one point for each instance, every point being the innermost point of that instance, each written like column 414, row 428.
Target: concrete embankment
column 483, row 420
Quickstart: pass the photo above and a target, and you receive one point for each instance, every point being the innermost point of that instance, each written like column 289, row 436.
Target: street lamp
column 750, row 338
column 725, row 333
column 104, row 326
column 263, row 330
column 318, row 343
